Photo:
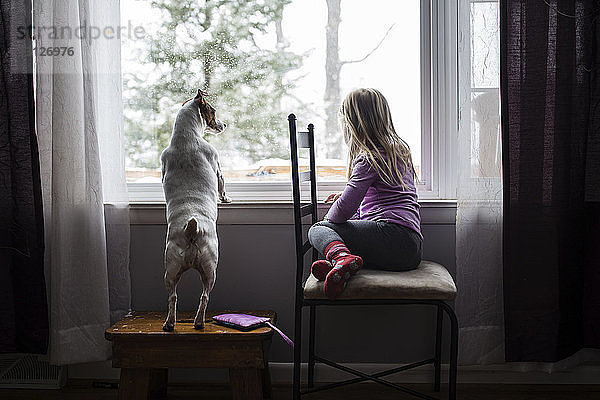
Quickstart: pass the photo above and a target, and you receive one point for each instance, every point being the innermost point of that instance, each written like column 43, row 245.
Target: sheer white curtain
column 479, row 207
column 79, row 119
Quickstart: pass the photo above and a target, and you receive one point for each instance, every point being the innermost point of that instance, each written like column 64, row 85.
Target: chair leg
column 453, row 352
column 311, row 347
column 438, row 349
column 297, row 350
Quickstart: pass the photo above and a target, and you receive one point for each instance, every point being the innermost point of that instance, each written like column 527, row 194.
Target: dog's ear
column 200, row 96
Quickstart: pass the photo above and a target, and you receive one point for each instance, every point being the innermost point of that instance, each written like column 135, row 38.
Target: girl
column 376, row 218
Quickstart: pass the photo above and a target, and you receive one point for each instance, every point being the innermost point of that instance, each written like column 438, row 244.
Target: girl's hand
column 332, row 197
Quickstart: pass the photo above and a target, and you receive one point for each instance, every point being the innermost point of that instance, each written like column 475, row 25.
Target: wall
column 256, row 271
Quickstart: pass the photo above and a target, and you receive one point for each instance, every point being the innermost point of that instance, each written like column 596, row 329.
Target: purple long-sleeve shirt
column 368, row 196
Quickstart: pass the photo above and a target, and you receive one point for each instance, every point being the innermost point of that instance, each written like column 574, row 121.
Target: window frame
column 439, row 109
column 444, row 99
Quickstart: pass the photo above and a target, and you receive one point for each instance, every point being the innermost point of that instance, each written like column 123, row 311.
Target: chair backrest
column 302, row 140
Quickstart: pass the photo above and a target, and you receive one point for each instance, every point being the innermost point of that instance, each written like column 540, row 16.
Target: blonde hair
column 367, row 124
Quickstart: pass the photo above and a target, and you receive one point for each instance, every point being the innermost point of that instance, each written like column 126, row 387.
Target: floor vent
column 26, row 371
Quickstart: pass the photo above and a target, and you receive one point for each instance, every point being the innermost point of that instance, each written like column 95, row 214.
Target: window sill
column 256, row 192
column 433, row 212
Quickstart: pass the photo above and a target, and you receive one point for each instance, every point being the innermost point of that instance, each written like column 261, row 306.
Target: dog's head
column 208, row 113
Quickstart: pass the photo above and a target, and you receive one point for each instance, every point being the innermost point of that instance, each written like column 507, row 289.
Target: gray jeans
column 382, row 245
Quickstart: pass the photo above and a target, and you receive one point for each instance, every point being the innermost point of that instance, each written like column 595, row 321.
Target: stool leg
column 266, row 372
column 158, row 382
column 142, row 383
column 245, row 383
column 311, row 347
column 438, row 349
column 266, row 381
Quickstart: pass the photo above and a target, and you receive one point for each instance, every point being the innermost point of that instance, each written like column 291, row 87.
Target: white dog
column 192, row 182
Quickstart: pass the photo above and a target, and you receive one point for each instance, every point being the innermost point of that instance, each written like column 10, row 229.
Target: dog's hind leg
column 172, row 276
column 208, row 274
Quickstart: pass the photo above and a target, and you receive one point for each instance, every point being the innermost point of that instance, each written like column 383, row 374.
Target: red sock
column 344, row 266
column 320, row 269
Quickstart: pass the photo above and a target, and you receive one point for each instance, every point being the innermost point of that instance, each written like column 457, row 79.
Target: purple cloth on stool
column 248, row 322
column 243, row 321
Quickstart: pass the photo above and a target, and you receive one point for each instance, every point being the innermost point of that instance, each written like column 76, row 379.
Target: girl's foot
column 338, row 277
column 344, row 266
column 320, row 269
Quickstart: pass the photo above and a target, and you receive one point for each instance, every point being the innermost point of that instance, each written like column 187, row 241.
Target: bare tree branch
column 310, row 109
column 372, row 51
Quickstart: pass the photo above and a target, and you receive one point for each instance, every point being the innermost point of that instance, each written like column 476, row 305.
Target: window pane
column 485, row 96
column 485, row 45
column 485, row 133
column 262, row 60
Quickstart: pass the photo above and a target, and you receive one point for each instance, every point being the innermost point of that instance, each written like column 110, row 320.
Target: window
column 261, row 60
column 480, row 87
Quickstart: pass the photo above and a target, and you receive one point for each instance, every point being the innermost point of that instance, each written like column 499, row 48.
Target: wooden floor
column 366, row 391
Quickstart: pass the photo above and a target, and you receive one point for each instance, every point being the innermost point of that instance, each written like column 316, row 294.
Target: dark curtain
column 23, row 307
column 550, row 89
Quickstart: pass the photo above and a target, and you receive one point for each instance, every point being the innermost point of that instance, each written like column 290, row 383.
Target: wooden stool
column 144, row 353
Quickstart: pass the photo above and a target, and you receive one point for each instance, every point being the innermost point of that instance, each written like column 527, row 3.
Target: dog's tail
column 191, row 229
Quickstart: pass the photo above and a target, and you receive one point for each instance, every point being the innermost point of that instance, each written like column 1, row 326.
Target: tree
column 333, row 69
column 212, row 45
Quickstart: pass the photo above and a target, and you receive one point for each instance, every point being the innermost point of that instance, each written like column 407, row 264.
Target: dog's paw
column 226, row 199
column 199, row 326
column 167, row 327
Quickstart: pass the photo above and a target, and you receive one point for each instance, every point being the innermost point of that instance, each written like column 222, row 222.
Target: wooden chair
column 429, row 284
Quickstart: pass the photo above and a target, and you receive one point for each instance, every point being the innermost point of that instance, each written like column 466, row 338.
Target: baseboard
column 283, row 372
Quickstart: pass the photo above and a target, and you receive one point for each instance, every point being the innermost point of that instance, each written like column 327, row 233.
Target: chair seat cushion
column 429, row 281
